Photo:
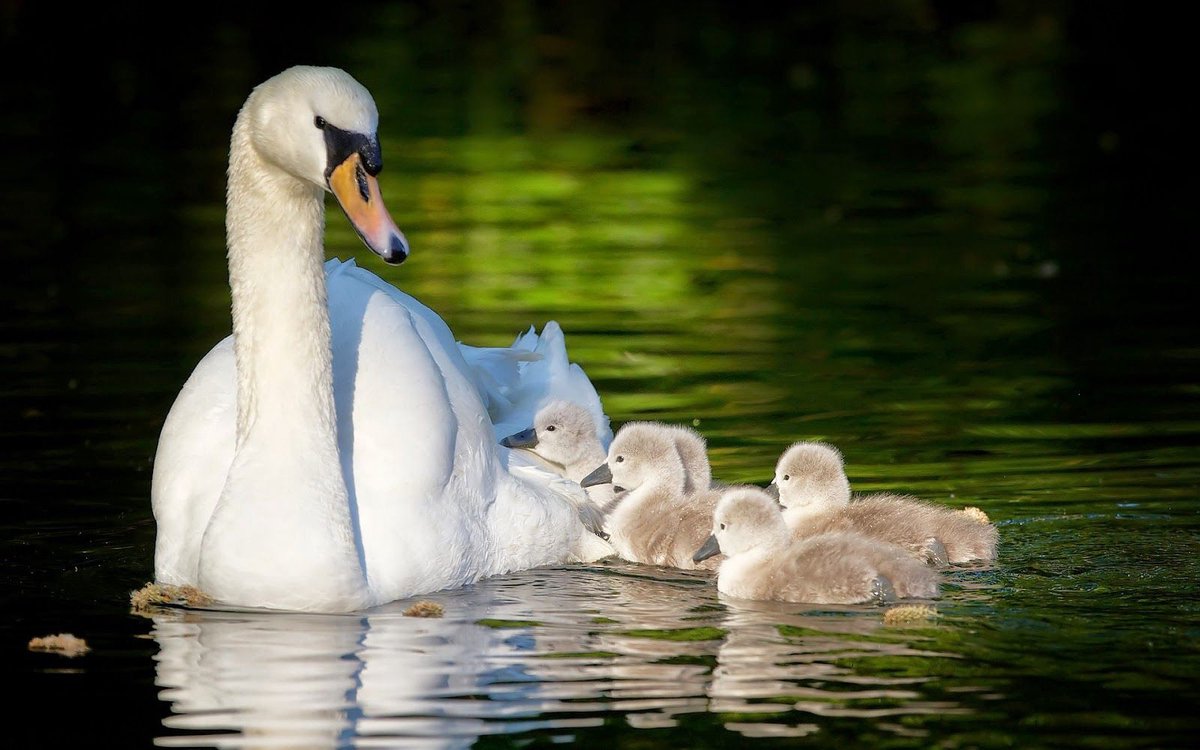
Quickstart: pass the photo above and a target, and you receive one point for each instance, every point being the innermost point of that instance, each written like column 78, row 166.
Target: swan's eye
column 319, row 122
column 620, row 459
column 550, row 428
column 786, row 477
column 722, row 527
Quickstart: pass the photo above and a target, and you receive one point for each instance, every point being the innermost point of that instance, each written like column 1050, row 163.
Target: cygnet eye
column 786, row 477
column 722, row 527
column 550, row 428
column 620, row 459
column 319, row 122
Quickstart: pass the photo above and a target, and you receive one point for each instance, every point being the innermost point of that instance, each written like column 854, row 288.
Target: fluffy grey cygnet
column 764, row 561
column 663, row 511
column 815, row 493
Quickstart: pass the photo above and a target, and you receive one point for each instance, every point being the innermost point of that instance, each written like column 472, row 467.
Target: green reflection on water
column 677, row 634
column 493, row 623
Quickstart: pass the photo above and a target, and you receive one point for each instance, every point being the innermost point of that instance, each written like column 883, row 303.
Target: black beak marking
column 341, row 144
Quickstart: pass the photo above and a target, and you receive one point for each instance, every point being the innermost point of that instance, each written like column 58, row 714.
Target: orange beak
column 358, row 194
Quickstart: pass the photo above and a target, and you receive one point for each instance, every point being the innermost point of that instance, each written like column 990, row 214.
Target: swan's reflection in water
column 554, row 651
column 280, row 680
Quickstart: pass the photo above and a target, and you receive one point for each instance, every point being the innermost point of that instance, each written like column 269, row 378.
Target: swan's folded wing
column 513, row 382
column 488, row 381
column 194, row 453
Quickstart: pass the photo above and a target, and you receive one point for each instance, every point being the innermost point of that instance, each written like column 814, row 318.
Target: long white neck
column 275, row 224
column 283, row 534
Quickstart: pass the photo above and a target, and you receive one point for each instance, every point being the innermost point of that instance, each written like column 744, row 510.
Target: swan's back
column 910, row 578
column 531, row 373
column 513, row 382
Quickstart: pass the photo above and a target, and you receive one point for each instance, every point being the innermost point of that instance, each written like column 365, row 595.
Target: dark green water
column 950, row 240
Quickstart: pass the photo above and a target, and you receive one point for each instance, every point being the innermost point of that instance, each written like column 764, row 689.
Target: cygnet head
column 321, row 126
column 744, row 518
column 562, row 432
column 811, row 477
column 641, row 454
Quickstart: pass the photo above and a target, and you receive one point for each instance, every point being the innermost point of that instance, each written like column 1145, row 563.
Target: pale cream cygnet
column 656, row 519
column 815, row 493
column 565, row 435
column 763, row 560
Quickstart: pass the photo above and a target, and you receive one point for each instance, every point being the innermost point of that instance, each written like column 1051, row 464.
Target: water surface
column 944, row 241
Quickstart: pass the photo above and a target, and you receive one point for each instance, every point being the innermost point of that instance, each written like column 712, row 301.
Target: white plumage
column 339, row 450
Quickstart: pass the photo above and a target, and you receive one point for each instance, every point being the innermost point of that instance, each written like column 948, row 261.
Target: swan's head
column 642, row 453
column 811, row 477
column 562, row 432
column 743, row 519
column 321, row 126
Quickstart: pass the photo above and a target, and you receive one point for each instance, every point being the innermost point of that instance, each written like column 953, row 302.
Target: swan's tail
column 496, row 372
column 518, row 380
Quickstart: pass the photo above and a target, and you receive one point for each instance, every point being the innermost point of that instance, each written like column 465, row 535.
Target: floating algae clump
column 425, row 608
column 63, row 643
column 906, row 614
column 159, row 594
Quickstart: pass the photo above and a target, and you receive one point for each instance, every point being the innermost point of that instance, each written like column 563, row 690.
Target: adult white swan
column 335, row 452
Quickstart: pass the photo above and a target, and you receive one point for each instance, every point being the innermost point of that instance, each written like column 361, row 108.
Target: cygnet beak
column 523, row 439
column 711, row 547
column 601, row 475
